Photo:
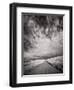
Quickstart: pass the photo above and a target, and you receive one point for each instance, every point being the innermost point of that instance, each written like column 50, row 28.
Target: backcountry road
column 41, row 68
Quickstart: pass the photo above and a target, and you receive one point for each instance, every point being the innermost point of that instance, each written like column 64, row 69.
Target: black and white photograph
column 42, row 44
